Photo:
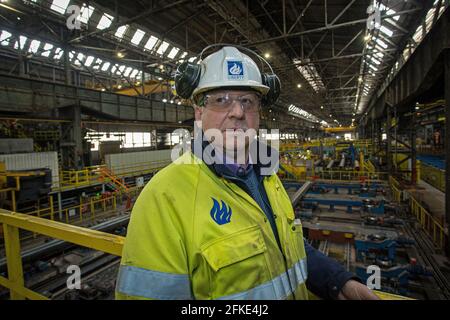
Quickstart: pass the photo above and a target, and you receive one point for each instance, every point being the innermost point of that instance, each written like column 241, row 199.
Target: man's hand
column 353, row 290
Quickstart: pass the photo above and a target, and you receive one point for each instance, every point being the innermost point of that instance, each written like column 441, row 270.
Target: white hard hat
column 229, row 67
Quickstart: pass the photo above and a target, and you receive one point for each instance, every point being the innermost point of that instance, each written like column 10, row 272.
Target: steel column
column 447, row 143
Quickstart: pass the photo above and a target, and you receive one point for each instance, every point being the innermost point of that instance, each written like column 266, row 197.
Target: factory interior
column 89, row 114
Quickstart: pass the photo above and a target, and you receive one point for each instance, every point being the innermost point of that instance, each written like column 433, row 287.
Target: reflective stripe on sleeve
column 134, row 281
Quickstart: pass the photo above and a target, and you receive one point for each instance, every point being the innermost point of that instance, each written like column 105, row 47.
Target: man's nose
column 237, row 111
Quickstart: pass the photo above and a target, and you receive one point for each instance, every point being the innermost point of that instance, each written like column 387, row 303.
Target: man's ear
column 198, row 111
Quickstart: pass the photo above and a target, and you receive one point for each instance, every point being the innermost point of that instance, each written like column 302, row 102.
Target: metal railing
column 429, row 224
column 12, row 222
column 88, row 209
column 97, row 240
column 95, row 174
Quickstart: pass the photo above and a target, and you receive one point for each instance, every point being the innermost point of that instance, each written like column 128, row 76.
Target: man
column 437, row 138
column 211, row 227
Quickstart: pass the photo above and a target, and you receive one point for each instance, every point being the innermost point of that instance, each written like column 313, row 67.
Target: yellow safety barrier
column 96, row 174
column 77, row 178
column 390, row 296
column 368, row 165
column 12, row 222
column 88, row 210
column 431, row 226
column 97, row 240
column 428, row 223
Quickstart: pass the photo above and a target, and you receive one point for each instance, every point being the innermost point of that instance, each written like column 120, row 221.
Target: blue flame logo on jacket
column 235, row 70
column 221, row 215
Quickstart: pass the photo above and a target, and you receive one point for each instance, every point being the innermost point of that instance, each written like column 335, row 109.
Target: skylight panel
column 89, row 61
column 105, row 21
column 5, row 38
column 134, row 73
column 373, row 67
column 128, row 71
column 97, row 64
column 121, row 69
column 34, row 46
column 377, row 62
column 121, row 31
column 47, row 48
column 86, row 13
column 59, row 6
column 138, row 35
column 79, row 59
column 381, row 43
column 151, row 43
column 173, row 53
column 386, row 31
column 105, row 66
column 58, row 53
column 162, row 48
column 22, row 42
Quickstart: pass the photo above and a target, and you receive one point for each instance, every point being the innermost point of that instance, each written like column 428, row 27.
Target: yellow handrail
column 431, row 226
column 97, row 240
column 12, row 222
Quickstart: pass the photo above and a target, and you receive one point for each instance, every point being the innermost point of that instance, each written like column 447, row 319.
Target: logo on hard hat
column 235, row 70
column 221, row 215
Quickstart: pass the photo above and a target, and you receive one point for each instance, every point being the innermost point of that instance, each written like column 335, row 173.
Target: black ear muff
column 187, row 78
column 273, row 82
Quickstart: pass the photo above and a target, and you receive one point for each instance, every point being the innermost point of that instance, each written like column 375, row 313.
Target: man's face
column 237, row 126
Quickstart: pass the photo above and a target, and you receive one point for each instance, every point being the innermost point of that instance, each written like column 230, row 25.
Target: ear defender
column 273, row 82
column 187, row 78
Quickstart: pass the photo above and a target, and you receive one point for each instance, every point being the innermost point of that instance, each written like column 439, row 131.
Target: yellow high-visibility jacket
column 195, row 235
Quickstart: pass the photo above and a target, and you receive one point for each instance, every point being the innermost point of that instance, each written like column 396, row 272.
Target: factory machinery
column 328, row 159
column 98, row 197
column 355, row 222
column 359, row 225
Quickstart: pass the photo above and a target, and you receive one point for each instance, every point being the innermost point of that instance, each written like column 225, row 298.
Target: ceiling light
column 321, row 107
column 164, row 100
column 299, row 85
column 120, row 55
column 267, row 55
